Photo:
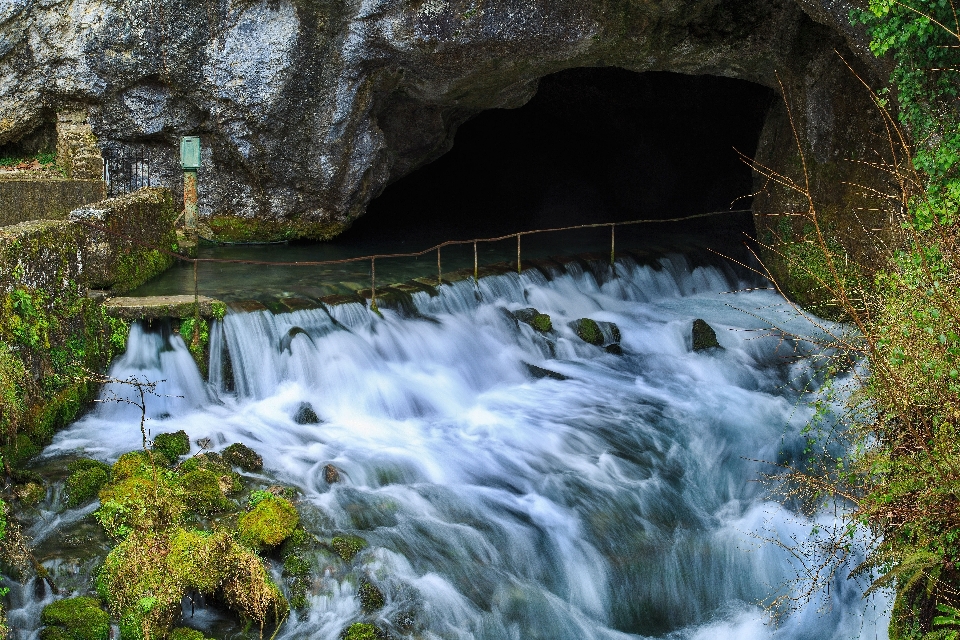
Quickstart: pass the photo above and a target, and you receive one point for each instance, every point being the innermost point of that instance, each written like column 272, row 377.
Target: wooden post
column 476, row 271
column 613, row 253
column 518, row 253
column 439, row 272
column 373, row 284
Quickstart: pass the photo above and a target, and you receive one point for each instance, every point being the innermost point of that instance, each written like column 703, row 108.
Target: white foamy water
column 617, row 502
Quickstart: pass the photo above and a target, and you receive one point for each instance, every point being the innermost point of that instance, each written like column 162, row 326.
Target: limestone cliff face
column 308, row 108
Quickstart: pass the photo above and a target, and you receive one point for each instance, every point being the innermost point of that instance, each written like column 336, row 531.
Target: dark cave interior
column 593, row 145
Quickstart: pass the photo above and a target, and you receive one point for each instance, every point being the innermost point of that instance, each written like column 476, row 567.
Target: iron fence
column 125, row 171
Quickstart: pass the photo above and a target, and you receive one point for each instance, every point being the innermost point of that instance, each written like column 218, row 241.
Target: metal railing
column 414, row 254
column 126, row 171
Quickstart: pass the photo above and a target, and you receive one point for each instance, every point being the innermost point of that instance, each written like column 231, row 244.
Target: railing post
column 439, row 272
column 613, row 252
column 476, row 271
column 518, row 253
column 373, row 284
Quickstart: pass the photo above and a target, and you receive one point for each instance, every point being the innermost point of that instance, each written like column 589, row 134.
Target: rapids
column 617, row 502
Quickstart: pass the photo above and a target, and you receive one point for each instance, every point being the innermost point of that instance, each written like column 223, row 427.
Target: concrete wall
column 24, row 198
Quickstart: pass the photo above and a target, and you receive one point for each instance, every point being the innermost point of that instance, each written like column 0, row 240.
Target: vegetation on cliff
column 894, row 454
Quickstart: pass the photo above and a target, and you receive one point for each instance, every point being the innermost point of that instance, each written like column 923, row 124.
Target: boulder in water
column 172, row 445
column 306, row 415
column 270, row 521
column 589, row 331
column 240, row 455
column 203, row 492
column 86, row 479
column 75, row 619
column 704, row 337
column 32, row 493
column 362, row 631
column 331, row 474
column 184, row 633
column 347, row 546
column 539, row 321
column 371, row 598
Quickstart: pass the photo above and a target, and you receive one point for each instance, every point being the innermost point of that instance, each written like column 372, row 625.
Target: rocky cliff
column 309, row 108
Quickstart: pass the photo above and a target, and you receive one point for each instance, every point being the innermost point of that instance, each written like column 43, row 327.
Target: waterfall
column 610, row 499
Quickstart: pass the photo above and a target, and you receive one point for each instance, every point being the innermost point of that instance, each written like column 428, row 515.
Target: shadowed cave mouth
column 593, row 145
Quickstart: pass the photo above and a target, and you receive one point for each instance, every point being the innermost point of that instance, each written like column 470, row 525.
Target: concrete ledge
column 24, row 198
column 157, row 307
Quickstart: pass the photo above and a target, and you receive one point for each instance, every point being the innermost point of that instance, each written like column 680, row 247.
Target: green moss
column 371, row 598
column 348, row 546
column 78, row 618
column 201, row 490
column 85, row 483
column 136, row 266
column 704, row 337
column 361, row 631
column 145, row 577
column 196, row 335
column 296, row 567
column 140, row 502
column 30, row 494
column 271, row 521
column 542, row 323
column 243, row 456
column 172, row 445
column 55, row 633
column 229, row 228
column 589, row 331
column 229, row 480
column 138, row 463
column 183, row 633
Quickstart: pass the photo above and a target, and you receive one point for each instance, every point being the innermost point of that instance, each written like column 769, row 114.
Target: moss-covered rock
column 539, row 321
column 183, row 633
column 296, row 566
column 588, row 331
column 172, row 445
column 347, row 546
column 84, row 484
column 140, row 502
column 331, row 474
column 77, row 619
column 30, row 494
column 362, row 631
column 229, row 480
column 243, row 456
column 145, row 577
column 270, row 521
column 306, row 415
column 203, row 493
column 371, row 598
column 704, row 337
column 138, row 463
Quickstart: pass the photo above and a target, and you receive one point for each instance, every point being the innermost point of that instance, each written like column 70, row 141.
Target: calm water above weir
column 614, row 503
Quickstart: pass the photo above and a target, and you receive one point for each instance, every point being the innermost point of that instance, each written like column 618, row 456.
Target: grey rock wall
column 309, row 108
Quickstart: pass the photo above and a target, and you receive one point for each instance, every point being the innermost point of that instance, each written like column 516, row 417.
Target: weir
column 604, row 501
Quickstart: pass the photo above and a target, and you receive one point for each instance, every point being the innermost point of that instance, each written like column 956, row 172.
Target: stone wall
column 52, row 332
column 25, row 197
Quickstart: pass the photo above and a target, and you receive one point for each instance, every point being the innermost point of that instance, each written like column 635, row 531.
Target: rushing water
column 614, row 503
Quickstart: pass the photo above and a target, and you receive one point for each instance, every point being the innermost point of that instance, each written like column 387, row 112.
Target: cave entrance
column 593, row 145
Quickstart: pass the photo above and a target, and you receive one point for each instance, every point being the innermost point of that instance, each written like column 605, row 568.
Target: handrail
column 414, row 254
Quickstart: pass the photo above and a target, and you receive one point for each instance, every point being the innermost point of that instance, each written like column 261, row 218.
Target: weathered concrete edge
column 160, row 307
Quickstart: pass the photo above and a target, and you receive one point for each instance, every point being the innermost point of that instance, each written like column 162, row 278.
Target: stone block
column 24, row 198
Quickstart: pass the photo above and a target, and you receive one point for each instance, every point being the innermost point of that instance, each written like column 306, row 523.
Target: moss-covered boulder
column 306, row 415
column 145, row 577
column 588, row 331
column 361, row 631
column 230, row 481
column 138, row 463
column 347, row 546
column 331, row 474
column 183, row 633
column 371, row 598
column 139, row 502
column 297, row 567
column 704, row 337
column 172, row 445
column 30, row 494
column 86, row 479
column 75, row 619
column 240, row 455
column 270, row 521
column 203, row 493
column 539, row 321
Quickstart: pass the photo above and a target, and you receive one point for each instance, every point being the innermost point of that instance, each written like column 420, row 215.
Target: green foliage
column 77, row 619
column 271, row 521
column 172, row 445
column 347, row 546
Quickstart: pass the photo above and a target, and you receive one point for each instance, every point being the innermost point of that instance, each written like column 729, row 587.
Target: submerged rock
column 306, row 415
column 371, row 598
column 243, row 456
column 540, row 372
column 331, row 474
column 348, row 546
column 704, row 337
column 172, row 445
column 75, row 619
column 539, row 321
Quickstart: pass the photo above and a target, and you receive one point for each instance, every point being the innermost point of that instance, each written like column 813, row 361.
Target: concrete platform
column 156, row 307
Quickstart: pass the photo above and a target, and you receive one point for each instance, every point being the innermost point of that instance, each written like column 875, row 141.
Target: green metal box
column 190, row 152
